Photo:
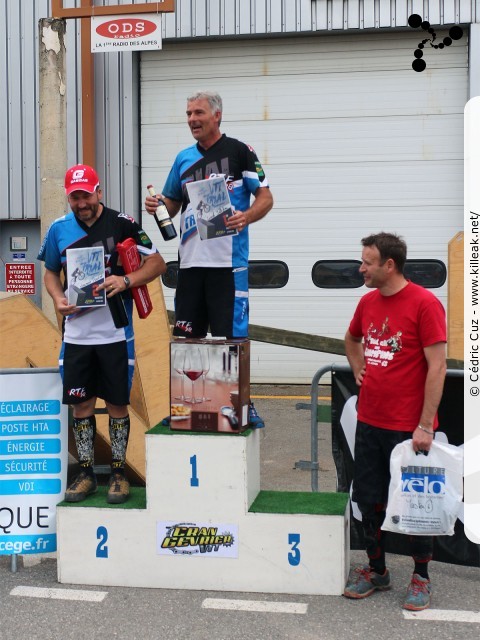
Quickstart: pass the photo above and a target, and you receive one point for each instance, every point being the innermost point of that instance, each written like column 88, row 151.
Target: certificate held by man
column 210, row 202
column 85, row 273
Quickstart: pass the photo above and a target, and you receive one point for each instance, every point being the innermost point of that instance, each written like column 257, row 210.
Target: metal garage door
column 353, row 141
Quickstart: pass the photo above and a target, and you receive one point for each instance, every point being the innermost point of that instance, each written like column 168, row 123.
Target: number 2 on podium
column 102, row 547
column 194, row 479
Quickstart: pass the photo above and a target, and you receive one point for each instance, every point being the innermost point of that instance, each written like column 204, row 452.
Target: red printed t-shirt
column 395, row 330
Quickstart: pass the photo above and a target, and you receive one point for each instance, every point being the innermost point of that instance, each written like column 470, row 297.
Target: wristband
column 431, row 433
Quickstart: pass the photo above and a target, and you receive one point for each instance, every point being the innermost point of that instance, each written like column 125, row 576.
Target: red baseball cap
column 81, row 177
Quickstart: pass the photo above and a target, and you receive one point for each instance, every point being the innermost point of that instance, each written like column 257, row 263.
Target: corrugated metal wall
column 19, row 106
column 118, row 153
column 116, row 109
column 194, row 18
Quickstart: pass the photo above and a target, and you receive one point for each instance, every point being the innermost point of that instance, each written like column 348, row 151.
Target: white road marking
column 255, row 605
column 443, row 615
column 59, row 594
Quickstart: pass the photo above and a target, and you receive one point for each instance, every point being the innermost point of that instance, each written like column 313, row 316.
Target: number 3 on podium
column 294, row 555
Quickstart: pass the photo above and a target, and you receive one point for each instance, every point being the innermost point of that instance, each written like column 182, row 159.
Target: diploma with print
column 212, row 207
column 85, row 272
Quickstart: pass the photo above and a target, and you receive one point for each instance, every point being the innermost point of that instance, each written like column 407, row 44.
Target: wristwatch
column 126, row 280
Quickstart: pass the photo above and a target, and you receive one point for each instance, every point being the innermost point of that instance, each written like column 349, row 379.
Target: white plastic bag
column 425, row 492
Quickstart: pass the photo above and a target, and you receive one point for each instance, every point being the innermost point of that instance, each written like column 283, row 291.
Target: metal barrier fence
column 313, row 464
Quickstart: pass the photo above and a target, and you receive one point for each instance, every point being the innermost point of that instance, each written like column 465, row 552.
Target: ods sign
column 126, row 33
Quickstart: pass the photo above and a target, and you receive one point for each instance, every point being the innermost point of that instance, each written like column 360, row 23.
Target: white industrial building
column 352, row 139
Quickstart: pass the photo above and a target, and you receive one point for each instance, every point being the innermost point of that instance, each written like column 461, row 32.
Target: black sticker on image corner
column 415, row 21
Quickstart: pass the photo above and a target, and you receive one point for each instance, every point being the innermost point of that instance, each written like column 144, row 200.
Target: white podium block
column 101, row 546
column 202, row 475
column 206, row 525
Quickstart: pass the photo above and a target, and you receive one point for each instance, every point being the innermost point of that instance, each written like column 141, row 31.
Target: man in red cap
column 97, row 357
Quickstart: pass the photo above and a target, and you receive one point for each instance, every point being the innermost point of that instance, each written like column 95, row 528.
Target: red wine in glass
column 193, row 375
column 192, row 368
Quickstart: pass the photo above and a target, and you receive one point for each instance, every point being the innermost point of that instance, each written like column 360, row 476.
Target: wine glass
column 192, row 368
column 230, row 364
column 227, row 364
column 178, row 365
column 233, row 366
column 205, row 357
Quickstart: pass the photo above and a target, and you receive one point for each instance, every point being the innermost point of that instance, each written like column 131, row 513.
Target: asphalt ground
column 286, row 440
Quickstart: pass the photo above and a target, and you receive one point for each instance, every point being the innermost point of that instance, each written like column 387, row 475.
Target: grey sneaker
column 418, row 594
column 118, row 489
column 362, row 582
column 81, row 487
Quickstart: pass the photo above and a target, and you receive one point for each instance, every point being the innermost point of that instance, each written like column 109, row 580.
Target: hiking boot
column 81, row 487
column 118, row 489
column 362, row 582
column 418, row 594
column 254, row 420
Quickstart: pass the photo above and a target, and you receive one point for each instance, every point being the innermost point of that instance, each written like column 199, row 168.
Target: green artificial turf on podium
column 164, row 430
column 282, row 502
column 291, row 502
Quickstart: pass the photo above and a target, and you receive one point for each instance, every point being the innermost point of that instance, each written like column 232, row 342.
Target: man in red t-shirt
column 395, row 345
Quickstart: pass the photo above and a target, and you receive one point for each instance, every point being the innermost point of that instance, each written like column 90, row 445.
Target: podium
column 203, row 523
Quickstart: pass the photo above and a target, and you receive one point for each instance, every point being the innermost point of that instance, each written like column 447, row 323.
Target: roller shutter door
column 353, row 141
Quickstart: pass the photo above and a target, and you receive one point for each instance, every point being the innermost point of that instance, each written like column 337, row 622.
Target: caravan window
column 344, row 274
column 337, row 274
column 262, row 274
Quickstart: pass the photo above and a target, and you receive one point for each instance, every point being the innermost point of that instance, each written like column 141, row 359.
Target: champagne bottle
column 162, row 218
column 117, row 309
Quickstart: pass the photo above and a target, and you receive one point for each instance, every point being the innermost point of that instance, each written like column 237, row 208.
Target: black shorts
column 211, row 298
column 101, row 371
column 373, row 447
